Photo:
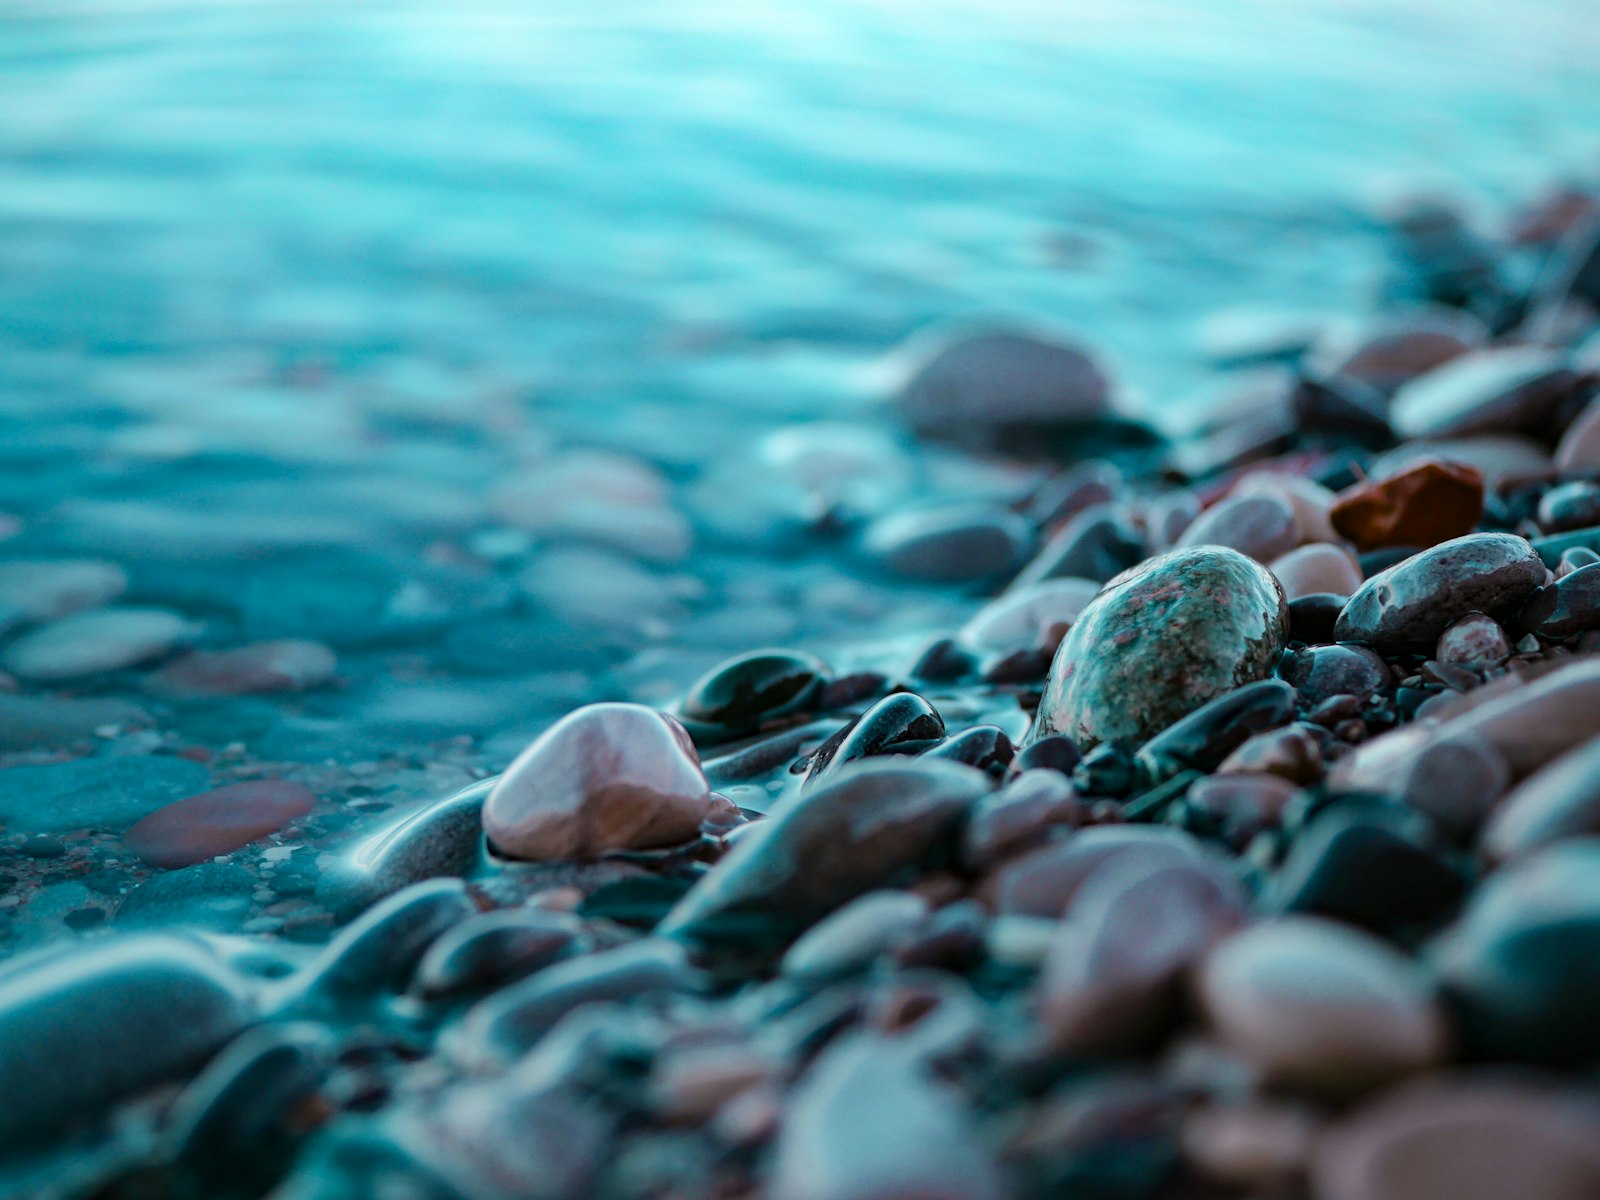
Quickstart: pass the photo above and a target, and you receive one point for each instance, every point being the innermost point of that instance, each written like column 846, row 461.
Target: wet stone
column 1160, row 642
column 1312, row 618
column 606, row 777
column 1044, row 882
column 1568, row 506
column 1051, row 753
column 92, row 643
column 50, row 722
column 494, row 948
column 217, row 822
column 1420, row 506
column 261, row 669
column 1261, row 526
column 1416, row 600
column 1571, row 605
column 216, row 896
column 1322, row 1006
column 849, row 939
column 1559, row 801
column 1096, row 544
column 1320, row 672
column 1573, row 559
column 753, row 688
column 44, row 590
column 1019, row 815
column 1207, row 736
column 1308, row 498
column 1316, row 569
column 985, row 747
column 1500, row 390
column 1294, row 752
column 948, row 544
column 1579, row 448
column 1474, row 641
column 903, row 723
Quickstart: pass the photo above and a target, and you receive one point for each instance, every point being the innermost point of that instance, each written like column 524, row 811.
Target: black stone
column 1570, row 605
column 756, row 687
column 983, row 746
column 899, row 724
column 1057, row 752
column 1216, row 729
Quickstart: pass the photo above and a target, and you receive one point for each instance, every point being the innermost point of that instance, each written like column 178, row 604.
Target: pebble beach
column 849, row 604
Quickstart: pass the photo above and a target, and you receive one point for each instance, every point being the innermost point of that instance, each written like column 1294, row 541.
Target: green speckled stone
column 1160, row 641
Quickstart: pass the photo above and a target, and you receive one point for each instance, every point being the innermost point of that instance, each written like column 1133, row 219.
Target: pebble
column 1261, row 525
column 1501, row 458
column 1414, row 601
column 850, row 834
column 55, row 723
column 1474, row 641
column 1161, row 641
column 1403, row 348
column 1035, row 616
column 1044, row 882
column 1533, row 724
column 1020, row 814
column 214, row 896
column 1455, row 781
column 849, row 939
column 1569, row 606
column 92, row 643
column 1096, row 544
column 81, row 1030
column 1318, row 1005
column 1578, row 452
column 1568, row 506
column 495, row 948
column 1319, row 673
column 1001, row 391
column 1216, row 729
column 218, row 822
column 606, row 777
column 750, row 689
column 1466, row 1138
column 950, row 543
column 1502, row 390
column 45, row 590
column 986, row 747
column 1560, row 800
column 903, row 723
column 831, row 1145
column 1316, row 569
column 264, row 668
column 1423, row 505
column 1295, row 753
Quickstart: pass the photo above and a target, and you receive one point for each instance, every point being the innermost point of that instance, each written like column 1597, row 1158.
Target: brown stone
column 1422, row 506
column 217, row 822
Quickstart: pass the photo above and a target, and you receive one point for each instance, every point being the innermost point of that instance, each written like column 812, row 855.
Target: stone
column 1044, row 882
column 606, row 777
column 1000, row 390
column 1466, row 1138
column 83, row 1029
column 1159, row 642
column 1320, row 672
column 1503, row 459
column 1318, row 1005
column 949, row 543
column 1503, row 390
column 1560, row 800
column 213, row 896
column 1420, row 506
column 831, row 1145
column 1569, row 606
column 1096, row 544
column 1204, row 738
column 1312, row 618
column 854, row 832
column 217, row 822
column 1414, row 601
column 1020, row 814
column 264, row 668
column 903, row 723
column 1568, row 506
column 54, row 723
column 1035, row 616
column 1294, row 752
column 1262, row 1145
column 495, row 948
column 1455, row 781
column 92, row 643
column 849, row 939
column 1316, row 569
column 1403, row 348
column 1342, row 410
column 94, row 793
column 1533, row 724
column 44, row 590
column 1578, row 452
column 753, row 688
column 1474, row 641
column 1261, row 525
column 987, row 747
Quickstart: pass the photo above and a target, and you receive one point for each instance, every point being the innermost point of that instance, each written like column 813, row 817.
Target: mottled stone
column 218, row 822
column 1159, row 642
column 82, row 1029
column 606, row 777
column 1421, row 506
column 1467, row 1139
column 1506, row 389
column 1474, row 641
column 1414, row 601
column 850, row 834
column 1316, row 569
column 260, row 669
column 832, row 1145
column 91, row 643
column 1261, row 525
column 1559, row 801
column 1322, row 1006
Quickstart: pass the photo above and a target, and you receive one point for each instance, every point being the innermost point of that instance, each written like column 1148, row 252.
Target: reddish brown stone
column 218, row 822
column 1423, row 505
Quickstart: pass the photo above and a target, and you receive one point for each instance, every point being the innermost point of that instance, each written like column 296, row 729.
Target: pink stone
column 1035, row 616
column 1309, row 499
column 217, row 822
column 606, row 777
column 1314, row 568
column 1262, row 526
column 1578, row 452
column 258, row 669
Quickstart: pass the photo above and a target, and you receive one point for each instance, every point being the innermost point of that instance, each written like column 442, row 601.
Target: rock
column 1469, row 1139
column 91, row 643
column 903, row 723
column 1262, row 526
column 1413, row 602
column 986, row 747
column 47, row 589
column 1473, row 641
column 83, row 1029
column 1421, row 506
column 853, row 832
column 1294, row 753
column 1318, row 1005
column 1205, row 737
column 1240, row 805
column 1320, row 672
column 606, row 777
column 597, row 497
column 256, row 670
column 750, row 689
column 1534, row 723
column 1578, row 452
column 51, row 723
column 214, row 896
column 849, row 939
column 1112, row 980
column 1560, row 800
column 1574, row 558
column 1522, row 964
column 950, row 543
column 1065, row 495
column 1002, row 391
column 1568, row 606
column 1402, row 349
column 1343, row 410
column 1455, row 781
column 1096, row 544
column 831, row 1144
column 1018, row 815
column 1506, row 389
column 1044, row 882
column 487, row 951
column 1568, row 506
column 1316, row 569
column 1159, row 642
column 218, row 822
column 1262, row 1146
column 99, row 793
column 1036, row 616
column 1502, row 459
column 1552, row 548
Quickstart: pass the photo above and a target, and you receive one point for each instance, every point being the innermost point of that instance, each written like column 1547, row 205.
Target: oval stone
column 606, row 777
column 1570, row 605
column 89, row 643
column 949, row 543
column 290, row 665
column 1317, row 569
column 1561, row 800
column 1414, row 601
column 755, row 687
column 1262, row 525
column 1035, row 615
column 1422, row 505
column 1506, row 389
column 217, row 822
column 1159, row 642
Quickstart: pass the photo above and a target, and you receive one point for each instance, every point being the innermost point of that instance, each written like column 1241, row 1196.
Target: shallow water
column 297, row 299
